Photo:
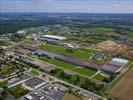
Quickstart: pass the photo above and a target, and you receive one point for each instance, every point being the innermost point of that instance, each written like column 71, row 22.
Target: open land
column 68, row 96
column 123, row 90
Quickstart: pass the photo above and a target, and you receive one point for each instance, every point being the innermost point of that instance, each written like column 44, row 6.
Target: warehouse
column 35, row 82
column 52, row 38
column 119, row 62
column 115, row 65
column 22, row 79
column 68, row 59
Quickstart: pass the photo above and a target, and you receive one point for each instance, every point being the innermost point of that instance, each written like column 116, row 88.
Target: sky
column 65, row 6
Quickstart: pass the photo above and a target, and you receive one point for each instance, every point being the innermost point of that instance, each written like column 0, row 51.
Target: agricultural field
column 123, row 89
column 99, row 29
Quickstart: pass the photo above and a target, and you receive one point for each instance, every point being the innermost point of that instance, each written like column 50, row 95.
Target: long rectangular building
column 113, row 66
column 69, row 59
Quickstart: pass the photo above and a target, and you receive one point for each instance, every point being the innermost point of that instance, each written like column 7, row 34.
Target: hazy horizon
column 66, row 6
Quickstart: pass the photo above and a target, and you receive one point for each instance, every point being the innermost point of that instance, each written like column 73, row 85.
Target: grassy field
column 29, row 42
column 79, row 53
column 3, row 84
column 99, row 29
column 69, row 96
column 4, row 69
column 99, row 77
column 18, row 91
column 34, row 72
column 69, row 66
column 88, row 72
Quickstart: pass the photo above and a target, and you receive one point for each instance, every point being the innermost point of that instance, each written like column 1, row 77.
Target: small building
column 47, row 69
column 21, row 32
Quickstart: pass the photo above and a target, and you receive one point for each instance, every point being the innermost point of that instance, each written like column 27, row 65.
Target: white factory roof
column 123, row 61
column 29, row 97
column 54, row 37
column 21, row 31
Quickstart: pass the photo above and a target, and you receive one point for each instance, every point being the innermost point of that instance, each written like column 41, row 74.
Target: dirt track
column 123, row 90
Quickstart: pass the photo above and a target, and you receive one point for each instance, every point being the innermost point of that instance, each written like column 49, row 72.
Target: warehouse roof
column 34, row 82
column 54, row 37
column 120, row 60
column 110, row 68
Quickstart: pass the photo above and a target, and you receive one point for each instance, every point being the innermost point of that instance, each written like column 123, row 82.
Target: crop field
column 123, row 89
column 79, row 53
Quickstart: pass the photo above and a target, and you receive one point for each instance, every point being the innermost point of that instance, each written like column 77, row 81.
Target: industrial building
column 35, row 82
column 68, row 59
column 115, row 65
column 22, row 79
column 52, row 38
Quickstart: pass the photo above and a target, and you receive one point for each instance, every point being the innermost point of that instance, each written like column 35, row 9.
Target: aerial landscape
column 66, row 50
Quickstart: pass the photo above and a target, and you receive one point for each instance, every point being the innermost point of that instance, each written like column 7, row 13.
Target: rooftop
column 34, row 82
column 54, row 37
column 118, row 60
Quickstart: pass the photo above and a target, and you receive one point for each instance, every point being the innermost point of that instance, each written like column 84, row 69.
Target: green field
column 29, row 42
column 69, row 66
column 99, row 77
column 34, row 72
column 84, row 71
column 99, row 29
column 4, row 69
column 3, row 84
column 79, row 53
column 18, row 91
